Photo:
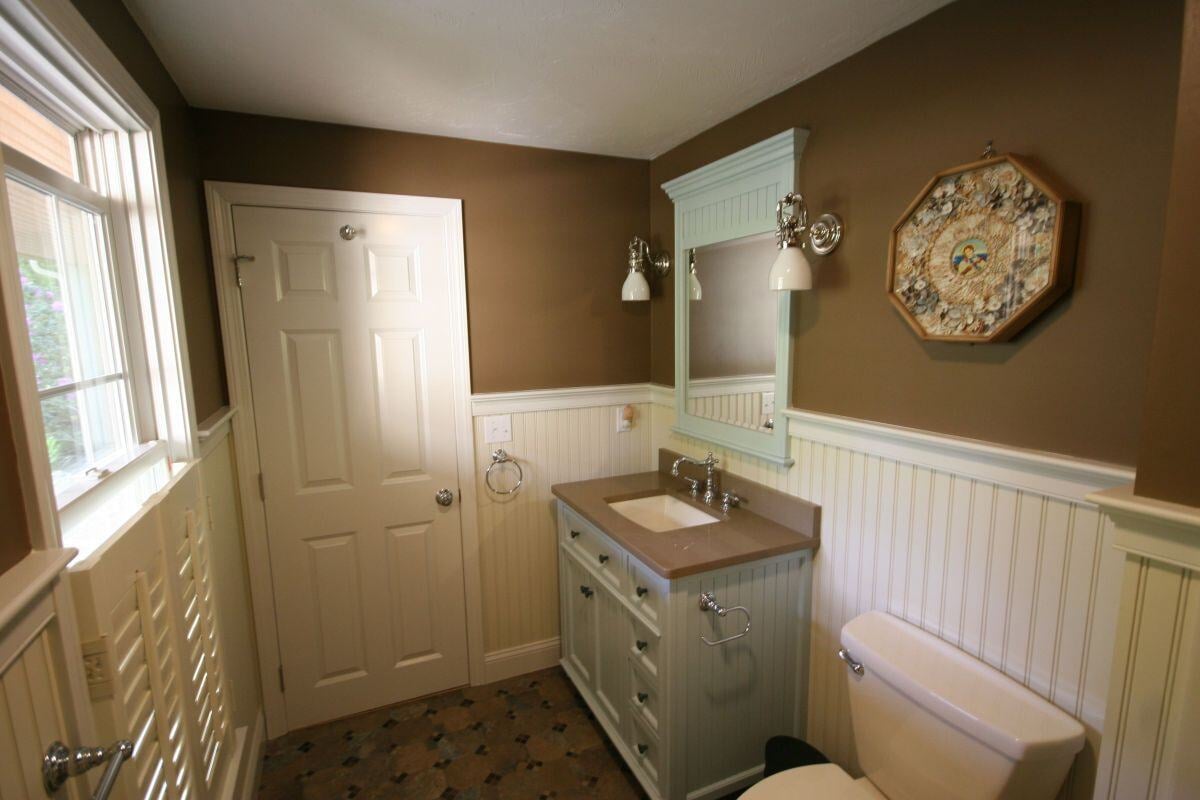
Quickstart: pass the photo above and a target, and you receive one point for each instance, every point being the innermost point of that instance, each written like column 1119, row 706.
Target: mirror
column 732, row 333
column 732, row 346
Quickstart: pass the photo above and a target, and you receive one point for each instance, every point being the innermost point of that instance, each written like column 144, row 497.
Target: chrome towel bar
column 708, row 602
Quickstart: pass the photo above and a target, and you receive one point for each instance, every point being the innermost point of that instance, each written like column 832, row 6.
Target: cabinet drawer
column 647, row 591
column 646, row 753
column 594, row 549
column 643, row 695
column 643, row 647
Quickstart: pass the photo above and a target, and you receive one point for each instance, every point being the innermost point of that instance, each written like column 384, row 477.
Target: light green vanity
column 690, row 718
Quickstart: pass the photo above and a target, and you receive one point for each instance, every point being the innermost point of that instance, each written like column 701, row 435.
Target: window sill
column 94, row 514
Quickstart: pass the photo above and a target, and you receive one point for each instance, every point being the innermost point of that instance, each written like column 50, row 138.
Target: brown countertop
column 737, row 537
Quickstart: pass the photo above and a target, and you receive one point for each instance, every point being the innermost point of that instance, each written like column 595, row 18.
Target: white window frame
column 51, row 56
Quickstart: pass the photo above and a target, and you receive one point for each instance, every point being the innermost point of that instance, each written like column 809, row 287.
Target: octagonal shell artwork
column 983, row 250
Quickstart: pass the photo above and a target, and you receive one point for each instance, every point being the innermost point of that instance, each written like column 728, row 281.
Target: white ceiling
column 619, row 77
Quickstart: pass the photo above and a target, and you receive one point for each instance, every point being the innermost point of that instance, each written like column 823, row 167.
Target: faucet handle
column 711, row 460
column 730, row 499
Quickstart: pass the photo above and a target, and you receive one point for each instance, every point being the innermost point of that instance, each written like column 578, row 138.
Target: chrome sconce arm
column 824, row 234
column 641, row 258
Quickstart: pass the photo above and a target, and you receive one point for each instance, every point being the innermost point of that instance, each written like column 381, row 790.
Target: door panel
column 350, row 359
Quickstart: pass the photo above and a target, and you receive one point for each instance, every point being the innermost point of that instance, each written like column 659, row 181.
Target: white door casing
column 351, row 360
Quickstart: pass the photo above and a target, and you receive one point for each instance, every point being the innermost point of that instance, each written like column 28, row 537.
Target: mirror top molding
column 731, row 199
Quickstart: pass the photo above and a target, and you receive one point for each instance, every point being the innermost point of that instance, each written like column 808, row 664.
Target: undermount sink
column 662, row 512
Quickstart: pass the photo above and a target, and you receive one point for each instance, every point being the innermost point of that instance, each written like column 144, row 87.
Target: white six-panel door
column 351, row 365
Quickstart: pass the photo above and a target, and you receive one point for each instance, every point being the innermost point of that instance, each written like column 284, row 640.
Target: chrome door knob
column 444, row 497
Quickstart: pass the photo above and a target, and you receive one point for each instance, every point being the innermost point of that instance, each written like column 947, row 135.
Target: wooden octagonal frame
column 1062, row 256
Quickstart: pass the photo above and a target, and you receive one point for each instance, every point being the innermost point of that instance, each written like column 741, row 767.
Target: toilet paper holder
column 708, row 602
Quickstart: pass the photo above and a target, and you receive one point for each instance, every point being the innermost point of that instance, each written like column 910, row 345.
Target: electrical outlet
column 768, row 404
column 497, row 429
column 624, row 419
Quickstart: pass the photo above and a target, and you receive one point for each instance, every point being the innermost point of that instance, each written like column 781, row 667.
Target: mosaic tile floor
column 530, row 737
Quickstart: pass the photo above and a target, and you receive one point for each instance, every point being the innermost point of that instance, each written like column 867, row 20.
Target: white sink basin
column 662, row 512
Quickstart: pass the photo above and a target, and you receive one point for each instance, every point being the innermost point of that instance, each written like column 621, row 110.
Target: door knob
column 444, row 497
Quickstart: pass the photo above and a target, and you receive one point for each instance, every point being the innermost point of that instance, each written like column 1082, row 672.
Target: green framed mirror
column 732, row 344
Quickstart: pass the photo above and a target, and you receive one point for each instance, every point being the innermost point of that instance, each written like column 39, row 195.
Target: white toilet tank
column 930, row 721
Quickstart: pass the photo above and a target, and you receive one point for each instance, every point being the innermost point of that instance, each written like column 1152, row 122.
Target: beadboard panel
column 1027, row 582
column 518, row 549
column 743, row 409
column 1151, row 737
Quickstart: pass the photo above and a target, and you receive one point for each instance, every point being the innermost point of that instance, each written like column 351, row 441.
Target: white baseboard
column 252, row 764
column 513, row 661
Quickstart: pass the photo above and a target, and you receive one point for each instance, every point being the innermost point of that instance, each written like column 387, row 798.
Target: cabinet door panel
column 612, row 670
column 579, row 638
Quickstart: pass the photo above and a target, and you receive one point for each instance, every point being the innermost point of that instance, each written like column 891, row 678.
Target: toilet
column 932, row 722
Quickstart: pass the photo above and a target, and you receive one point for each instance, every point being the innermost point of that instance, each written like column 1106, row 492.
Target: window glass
column 68, row 288
column 24, row 128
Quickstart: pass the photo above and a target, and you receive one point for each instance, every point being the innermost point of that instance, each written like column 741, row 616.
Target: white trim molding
column 221, row 198
column 513, row 661
column 1153, row 529
column 558, row 399
column 1050, row 474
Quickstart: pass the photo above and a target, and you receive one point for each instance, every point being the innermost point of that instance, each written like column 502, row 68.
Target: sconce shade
column 694, row 291
column 635, row 289
column 791, row 271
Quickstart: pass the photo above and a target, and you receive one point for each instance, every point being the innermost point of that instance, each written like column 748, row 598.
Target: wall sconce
column 791, row 271
column 636, row 288
column 694, row 291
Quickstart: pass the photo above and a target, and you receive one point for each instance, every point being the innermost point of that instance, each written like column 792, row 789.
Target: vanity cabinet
column 690, row 720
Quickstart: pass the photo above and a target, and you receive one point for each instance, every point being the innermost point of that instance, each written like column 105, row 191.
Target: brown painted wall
column 1169, row 461
column 545, row 235
column 1086, row 88
column 116, row 27
column 14, row 530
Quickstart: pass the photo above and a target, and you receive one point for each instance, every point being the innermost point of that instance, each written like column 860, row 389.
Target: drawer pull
column 642, row 697
column 642, row 591
column 586, row 591
column 642, row 748
column 603, row 558
column 574, row 534
column 642, row 645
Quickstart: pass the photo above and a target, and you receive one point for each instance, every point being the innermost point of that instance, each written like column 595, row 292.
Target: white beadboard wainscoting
column 556, row 437
column 995, row 550
column 1153, row 722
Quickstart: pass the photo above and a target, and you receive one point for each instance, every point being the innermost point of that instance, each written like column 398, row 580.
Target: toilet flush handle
column 855, row 666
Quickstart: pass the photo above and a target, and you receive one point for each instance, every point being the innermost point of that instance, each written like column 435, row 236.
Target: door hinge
column 262, row 487
column 281, row 677
column 237, row 261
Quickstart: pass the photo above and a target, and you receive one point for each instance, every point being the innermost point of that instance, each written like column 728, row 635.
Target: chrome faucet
column 710, row 466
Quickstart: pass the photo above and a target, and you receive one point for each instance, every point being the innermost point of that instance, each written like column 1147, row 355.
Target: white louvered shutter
column 206, row 679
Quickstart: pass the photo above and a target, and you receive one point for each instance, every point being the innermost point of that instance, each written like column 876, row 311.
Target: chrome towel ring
column 501, row 457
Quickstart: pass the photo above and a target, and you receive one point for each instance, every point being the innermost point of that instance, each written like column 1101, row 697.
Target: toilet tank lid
column 961, row 690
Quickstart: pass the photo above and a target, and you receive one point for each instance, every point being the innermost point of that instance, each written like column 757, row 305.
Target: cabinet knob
column 574, row 534
column 642, row 748
column 641, row 645
column 642, row 591
column 603, row 558
column 642, row 697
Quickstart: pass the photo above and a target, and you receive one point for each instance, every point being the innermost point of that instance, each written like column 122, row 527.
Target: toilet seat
column 818, row 781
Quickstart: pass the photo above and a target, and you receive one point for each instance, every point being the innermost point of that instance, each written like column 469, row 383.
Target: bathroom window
column 96, row 292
